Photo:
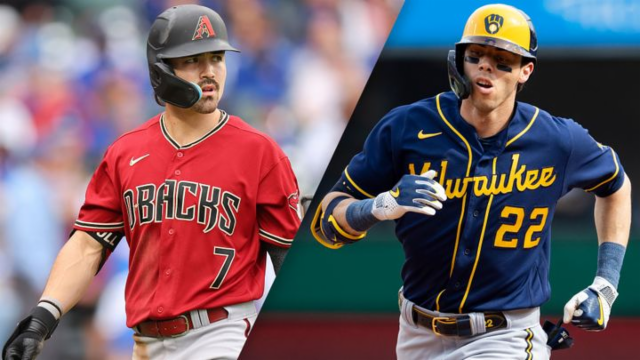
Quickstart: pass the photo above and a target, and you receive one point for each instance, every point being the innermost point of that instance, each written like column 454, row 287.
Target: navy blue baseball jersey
column 489, row 247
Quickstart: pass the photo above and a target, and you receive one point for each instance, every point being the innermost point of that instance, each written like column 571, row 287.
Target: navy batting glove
column 558, row 337
column 27, row 340
column 590, row 308
column 419, row 194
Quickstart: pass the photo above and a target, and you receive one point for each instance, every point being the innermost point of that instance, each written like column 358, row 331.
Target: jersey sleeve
column 373, row 171
column 592, row 166
column 101, row 213
column 278, row 206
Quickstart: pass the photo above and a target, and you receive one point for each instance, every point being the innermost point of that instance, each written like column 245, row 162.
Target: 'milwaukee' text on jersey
column 193, row 215
column 489, row 246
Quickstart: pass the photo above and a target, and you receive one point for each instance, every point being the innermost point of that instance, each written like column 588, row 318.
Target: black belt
column 459, row 325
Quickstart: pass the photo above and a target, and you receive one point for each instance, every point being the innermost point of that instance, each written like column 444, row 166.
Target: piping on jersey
column 464, row 199
column 275, row 238
column 486, row 214
column 484, row 227
column 615, row 161
column 102, row 226
column 356, row 185
column 533, row 119
column 456, row 132
column 224, row 118
column 455, row 250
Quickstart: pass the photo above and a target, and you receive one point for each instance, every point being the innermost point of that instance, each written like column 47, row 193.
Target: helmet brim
column 195, row 48
column 498, row 43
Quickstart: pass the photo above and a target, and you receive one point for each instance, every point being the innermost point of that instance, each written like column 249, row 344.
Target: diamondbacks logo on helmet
column 203, row 28
column 493, row 23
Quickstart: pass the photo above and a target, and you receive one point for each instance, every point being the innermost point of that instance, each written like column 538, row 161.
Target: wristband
column 359, row 215
column 52, row 305
column 610, row 256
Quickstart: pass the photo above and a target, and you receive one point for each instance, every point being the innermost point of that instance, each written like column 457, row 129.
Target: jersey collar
column 224, row 118
column 521, row 121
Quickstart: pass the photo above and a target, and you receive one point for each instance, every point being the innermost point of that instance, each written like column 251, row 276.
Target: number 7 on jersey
column 228, row 254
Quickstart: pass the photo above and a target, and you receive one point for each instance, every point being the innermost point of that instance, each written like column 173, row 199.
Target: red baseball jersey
column 193, row 215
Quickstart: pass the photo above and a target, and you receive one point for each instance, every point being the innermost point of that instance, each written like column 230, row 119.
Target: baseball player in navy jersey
column 471, row 178
column 200, row 196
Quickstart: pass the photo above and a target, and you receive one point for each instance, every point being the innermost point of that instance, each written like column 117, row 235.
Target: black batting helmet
column 180, row 31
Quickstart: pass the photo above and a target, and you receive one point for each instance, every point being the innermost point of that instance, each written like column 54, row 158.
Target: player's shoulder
column 555, row 132
column 140, row 131
column 545, row 120
column 250, row 136
column 419, row 111
column 426, row 105
column 136, row 135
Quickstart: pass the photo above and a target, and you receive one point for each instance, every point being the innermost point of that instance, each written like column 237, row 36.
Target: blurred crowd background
column 73, row 77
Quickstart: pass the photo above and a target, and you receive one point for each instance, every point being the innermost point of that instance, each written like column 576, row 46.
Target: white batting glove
column 413, row 193
column 590, row 308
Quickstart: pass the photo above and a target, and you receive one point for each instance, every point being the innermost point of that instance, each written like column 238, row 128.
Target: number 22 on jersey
column 538, row 219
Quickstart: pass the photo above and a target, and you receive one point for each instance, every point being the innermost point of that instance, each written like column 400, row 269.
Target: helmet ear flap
column 172, row 89
column 182, row 30
column 458, row 82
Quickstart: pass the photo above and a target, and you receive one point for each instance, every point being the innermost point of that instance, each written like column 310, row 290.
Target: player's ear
column 525, row 72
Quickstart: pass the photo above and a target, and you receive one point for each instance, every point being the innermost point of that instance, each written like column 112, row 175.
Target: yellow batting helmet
column 497, row 25
column 502, row 26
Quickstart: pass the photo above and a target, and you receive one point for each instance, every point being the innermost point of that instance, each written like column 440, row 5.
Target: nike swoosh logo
column 395, row 193
column 135, row 161
column 423, row 136
column 601, row 320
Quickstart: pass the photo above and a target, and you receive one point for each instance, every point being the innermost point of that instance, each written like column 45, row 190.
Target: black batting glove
column 27, row 340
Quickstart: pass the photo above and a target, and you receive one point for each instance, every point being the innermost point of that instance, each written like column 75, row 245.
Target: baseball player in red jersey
column 200, row 196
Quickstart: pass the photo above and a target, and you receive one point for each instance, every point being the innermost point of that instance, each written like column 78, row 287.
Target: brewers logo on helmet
column 497, row 25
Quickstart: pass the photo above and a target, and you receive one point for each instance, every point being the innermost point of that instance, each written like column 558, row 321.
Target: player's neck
column 186, row 126
column 487, row 122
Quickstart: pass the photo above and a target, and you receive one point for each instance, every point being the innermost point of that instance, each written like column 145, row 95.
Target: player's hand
column 590, row 308
column 27, row 340
column 413, row 193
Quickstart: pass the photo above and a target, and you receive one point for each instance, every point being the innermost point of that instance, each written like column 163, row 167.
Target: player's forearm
column 340, row 211
column 613, row 215
column 613, row 220
column 73, row 270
